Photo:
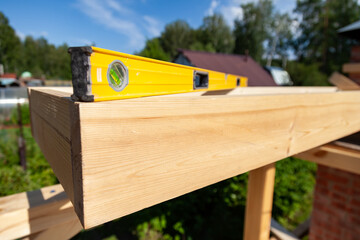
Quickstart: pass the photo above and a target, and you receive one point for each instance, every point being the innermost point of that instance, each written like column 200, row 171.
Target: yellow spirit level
column 101, row 75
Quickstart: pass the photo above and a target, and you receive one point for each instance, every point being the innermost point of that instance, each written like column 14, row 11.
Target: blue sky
column 121, row 25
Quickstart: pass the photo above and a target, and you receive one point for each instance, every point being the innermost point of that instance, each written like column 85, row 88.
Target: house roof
column 351, row 31
column 230, row 63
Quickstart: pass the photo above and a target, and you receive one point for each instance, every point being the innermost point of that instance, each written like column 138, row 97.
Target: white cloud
column 102, row 12
column 83, row 42
column 230, row 9
column 116, row 6
column 213, row 6
column 33, row 34
column 231, row 13
column 153, row 26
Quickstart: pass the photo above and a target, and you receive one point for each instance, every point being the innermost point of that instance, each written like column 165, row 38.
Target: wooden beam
column 28, row 213
column 335, row 156
column 351, row 68
column 259, row 203
column 342, row 82
column 131, row 154
column 61, row 231
column 248, row 91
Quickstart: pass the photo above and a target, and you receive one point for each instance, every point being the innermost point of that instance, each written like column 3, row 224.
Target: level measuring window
column 238, row 82
column 201, row 80
column 117, row 75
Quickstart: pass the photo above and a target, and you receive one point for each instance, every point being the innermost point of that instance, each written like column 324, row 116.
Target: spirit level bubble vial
column 101, row 75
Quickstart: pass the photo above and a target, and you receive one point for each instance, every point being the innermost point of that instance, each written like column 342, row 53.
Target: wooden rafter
column 342, row 82
column 351, row 68
column 332, row 155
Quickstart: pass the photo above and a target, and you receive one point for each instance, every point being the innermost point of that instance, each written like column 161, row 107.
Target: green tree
column 176, row 35
column 154, row 50
column 279, row 40
column 306, row 74
column 252, row 30
column 61, row 63
column 10, row 46
column 217, row 34
column 199, row 46
column 293, row 191
column 318, row 40
column 33, row 55
column 43, row 59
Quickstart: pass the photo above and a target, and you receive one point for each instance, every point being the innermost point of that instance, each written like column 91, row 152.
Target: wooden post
column 21, row 140
column 259, row 203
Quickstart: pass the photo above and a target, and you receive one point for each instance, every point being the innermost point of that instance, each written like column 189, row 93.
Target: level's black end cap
column 82, row 98
column 80, row 70
column 87, row 50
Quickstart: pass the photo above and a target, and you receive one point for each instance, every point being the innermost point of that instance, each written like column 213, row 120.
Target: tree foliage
column 303, row 74
column 253, row 29
column 216, row 33
column 154, row 50
column 293, row 191
column 10, row 45
column 37, row 56
column 318, row 41
column 279, row 38
column 176, row 35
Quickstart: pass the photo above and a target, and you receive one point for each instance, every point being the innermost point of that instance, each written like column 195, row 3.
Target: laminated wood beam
column 127, row 155
column 351, row 68
column 334, row 156
column 259, row 91
column 30, row 213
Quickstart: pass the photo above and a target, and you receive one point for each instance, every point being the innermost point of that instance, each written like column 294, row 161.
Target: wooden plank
column 32, row 212
column 342, row 82
column 259, row 203
column 59, row 232
column 131, row 154
column 351, row 68
column 334, row 156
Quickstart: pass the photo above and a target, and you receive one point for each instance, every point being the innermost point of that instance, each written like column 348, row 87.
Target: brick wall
column 336, row 207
